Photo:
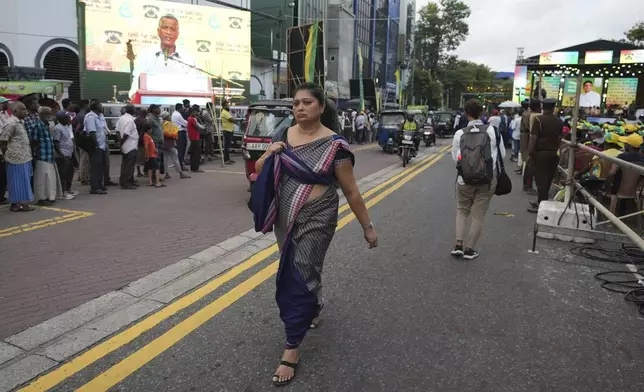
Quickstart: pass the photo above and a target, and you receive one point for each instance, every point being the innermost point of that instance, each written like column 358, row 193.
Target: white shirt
column 457, row 119
column 126, row 126
column 491, row 131
column 178, row 120
column 589, row 99
column 495, row 121
column 153, row 61
column 516, row 127
column 361, row 121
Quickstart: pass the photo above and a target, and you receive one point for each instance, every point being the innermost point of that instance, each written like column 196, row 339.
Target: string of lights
column 617, row 70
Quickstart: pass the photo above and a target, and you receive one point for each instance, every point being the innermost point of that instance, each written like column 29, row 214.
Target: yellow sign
column 167, row 34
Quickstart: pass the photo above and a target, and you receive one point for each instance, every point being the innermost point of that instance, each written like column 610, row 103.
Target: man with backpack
column 475, row 150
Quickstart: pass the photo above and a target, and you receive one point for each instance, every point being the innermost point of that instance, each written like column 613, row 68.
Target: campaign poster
column 158, row 37
column 621, row 91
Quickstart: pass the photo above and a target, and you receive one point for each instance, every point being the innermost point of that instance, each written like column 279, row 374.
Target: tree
column 636, row 34
column 427, row 90
column 440, row 29
column 466, row 77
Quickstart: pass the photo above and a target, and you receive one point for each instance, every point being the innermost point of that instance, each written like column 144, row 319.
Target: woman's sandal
column 276, row 378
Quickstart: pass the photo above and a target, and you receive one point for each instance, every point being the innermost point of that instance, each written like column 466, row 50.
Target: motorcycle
column 407, row 148
column 429, row 135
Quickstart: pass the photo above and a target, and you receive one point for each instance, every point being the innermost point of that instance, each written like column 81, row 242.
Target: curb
column 27, row 354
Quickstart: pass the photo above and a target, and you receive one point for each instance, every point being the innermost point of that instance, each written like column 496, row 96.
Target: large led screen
column 166, row 38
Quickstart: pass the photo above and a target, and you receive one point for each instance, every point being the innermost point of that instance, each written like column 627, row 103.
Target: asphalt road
column 47, row 269
column 405, row 316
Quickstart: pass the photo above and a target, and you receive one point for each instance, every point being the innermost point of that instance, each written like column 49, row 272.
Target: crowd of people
column 358, row 127
column 40, row 151
column 536, row 131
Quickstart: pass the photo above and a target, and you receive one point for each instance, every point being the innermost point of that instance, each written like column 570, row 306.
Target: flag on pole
column 360, row 78
column 398, row 94
column 311, row 49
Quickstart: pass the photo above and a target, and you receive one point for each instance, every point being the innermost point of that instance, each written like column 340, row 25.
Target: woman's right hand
column 276, row 147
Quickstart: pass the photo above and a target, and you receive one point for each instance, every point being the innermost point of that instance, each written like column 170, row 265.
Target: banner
column 551, row 85
column 554, row 58
column 146, row 37
column 621, row 91
column 590, row 93
column 309, row 59
column 631, row 56
column 599, row 57
column 360, row 77
column 520, row 83
column 398, row 87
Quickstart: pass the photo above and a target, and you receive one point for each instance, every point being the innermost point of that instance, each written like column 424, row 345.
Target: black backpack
column 475, row 165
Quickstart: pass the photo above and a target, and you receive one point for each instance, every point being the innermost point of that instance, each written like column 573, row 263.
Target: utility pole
column 281, row 33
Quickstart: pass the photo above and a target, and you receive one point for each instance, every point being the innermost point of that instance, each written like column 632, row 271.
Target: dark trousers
column 128, row 162
column 228, row 141
column 528, row 174
column 106, row 166
column 182, row 144
column 348, row 134
column 195, row 155
column 3, row 179
column 66, row 172
column 209, row 145
column 160, row 157
column 360, row 136
column 97, row 169
column 545, row 165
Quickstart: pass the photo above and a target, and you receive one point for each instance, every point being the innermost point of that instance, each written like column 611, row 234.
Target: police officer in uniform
column 545, row 138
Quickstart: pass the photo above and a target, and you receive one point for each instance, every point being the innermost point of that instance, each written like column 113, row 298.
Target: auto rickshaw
column 391, row 122
column 263, row 120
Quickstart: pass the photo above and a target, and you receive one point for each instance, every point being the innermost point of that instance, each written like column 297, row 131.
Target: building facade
column 340, row 46
column 310, row 11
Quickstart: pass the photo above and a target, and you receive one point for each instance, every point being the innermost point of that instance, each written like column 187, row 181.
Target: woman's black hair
column 315, row 90
column 329, row 117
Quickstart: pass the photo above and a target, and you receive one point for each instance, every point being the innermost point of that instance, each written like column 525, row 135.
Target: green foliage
column 427, row 90
column 440, row 29
column 636, row 34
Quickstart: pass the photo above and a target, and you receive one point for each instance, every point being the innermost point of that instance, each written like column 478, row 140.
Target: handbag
column 503, row 182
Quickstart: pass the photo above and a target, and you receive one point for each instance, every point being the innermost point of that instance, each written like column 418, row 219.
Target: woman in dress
column 296, row 193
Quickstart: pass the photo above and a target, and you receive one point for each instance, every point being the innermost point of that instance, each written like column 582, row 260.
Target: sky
column 498, row 27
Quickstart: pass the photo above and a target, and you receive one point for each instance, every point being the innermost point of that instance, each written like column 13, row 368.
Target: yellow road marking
column 414, row 167
column 70, row 215
column 224, row 171
column 141, row 357
column 72, row 367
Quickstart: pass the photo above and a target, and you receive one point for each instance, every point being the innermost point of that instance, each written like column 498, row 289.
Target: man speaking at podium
column 164, row 60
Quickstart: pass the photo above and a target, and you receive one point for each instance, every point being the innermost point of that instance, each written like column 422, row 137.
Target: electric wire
column 623, row 282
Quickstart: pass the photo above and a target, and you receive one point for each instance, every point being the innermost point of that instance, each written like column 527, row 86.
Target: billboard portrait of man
column 589, row 98
column 165, row 59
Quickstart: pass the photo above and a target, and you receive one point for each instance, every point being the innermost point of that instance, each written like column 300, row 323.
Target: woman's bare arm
column 347, row 181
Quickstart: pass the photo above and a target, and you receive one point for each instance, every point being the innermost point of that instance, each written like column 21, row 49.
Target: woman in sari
column 299, row 198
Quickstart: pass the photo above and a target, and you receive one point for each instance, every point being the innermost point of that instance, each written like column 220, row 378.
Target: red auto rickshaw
column 263, row 120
